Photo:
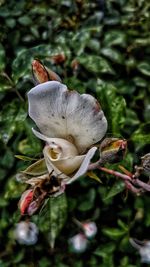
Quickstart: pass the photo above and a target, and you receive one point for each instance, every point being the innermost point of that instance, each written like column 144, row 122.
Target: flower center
column 54, row 151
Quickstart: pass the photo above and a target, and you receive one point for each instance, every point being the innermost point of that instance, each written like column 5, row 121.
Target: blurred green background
column 105, row 51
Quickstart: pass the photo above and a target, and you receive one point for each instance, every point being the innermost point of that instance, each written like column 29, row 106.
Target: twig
column 129, row 181
column 133, row 189
column 145, row 186
column 13, row 86
column 96, row 165
column 118, row 174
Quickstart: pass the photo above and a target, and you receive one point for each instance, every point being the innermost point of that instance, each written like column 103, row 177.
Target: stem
column 133, row 189
column 129, row 181
column 78, row 223
column 142, row 184
column 13, row 86
column 123, row 169
column 96, row 165
column 118, row 174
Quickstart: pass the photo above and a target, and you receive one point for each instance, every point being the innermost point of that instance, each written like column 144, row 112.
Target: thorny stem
column 78, row 223
column 129, row 179
column 118, row 174
column 96, row 165
column 142, row 184
column 133, row 189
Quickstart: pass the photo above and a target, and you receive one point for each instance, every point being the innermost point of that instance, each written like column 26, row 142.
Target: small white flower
column 143, row 248
column 70, row 124
column 90, row 229
column 26, row 233
column 78, row 243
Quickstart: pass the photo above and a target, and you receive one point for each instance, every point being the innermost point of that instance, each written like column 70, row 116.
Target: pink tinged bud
column 36, row 204
column 25, row 201
column 112, row 150
column 26, row 233
column 146, row 164
column 32, row 208
column 40, row 73
column 143, row 248
column 78, row 243
column 90, row 229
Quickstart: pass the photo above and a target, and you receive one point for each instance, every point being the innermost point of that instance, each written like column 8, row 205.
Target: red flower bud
column 25, row 201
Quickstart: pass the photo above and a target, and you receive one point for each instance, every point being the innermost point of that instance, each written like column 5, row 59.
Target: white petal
column 81, row 171
column 46, row 109
column 85, row 119
column 67, row 149
column 84, row 166
column 64, row 114
column 67, row 165
column 51, row 166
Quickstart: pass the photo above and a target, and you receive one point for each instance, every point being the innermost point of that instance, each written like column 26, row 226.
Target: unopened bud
column 59, row 58
column 143, row 248
column 78, row 243
column 26, row 233
column 42, row 74
column 112, row 150
column 146, row 164
column 90, row 229
column 75, row 66
column 25, row 201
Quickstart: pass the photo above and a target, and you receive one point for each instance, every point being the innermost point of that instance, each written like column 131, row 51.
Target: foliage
column 106, row 49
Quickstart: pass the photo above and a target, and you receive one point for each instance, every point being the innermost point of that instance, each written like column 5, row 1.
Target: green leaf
column 141, row 136
column 114, row 233
column 2, row 57
column 87, row 202
column 24, row 158
column 113, row 55
column 95, row 64
column 13, row 189
column 117, row 188
column 4, row 83
column 25, row 20
column 11, row 23
column 140, row 82
column 103, row 251
column 12, row 116
column 113, row 105
column 144, row 68
column 93, row 175
column 114, row 37
column 53, row 217
column 37, row 168
column 22, row 64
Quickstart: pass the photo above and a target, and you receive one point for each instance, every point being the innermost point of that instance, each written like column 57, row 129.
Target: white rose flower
column 70, row 124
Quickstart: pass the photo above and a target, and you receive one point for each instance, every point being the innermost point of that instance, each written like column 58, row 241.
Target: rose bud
column 59, row 58
column 26, row 233
column 78, row 243
column 90, row 229
column 112, row 150
column 25, row 201
column 146, row 164
column 42, row 74
column 75, row 66
column 143, row 248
